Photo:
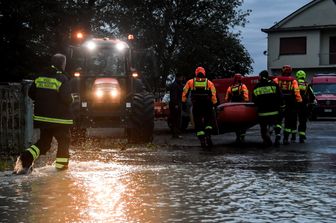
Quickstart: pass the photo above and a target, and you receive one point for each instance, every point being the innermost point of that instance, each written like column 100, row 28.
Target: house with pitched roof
column 305, row 39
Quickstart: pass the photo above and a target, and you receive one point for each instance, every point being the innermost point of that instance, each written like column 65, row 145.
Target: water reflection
column 179, row 186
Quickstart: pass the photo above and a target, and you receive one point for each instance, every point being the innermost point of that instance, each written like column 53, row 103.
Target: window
column 293, row 45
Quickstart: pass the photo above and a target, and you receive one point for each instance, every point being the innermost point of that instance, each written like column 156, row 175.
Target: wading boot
column 267, row 142
column 203, row 143
column 209, row 142
column 22, row 168
column 293, row 139
column 302, row 138
column 277, row 141
column 285, row 139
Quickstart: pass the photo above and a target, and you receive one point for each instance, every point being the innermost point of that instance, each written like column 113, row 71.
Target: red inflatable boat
column 236, row 116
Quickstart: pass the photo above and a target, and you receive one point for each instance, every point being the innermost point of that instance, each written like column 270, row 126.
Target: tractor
column 108, row 90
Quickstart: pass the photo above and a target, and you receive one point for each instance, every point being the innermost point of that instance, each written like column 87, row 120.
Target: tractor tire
column 141, row 121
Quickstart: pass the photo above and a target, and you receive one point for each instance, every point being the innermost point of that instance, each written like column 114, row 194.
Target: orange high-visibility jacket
column 288, row 85
column 199, row 83
column 237, row 93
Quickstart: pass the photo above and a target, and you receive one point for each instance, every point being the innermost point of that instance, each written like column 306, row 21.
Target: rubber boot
column 202, row 141
column 277, row 141
column 267, row 142
column 23, row 164
column 208, row 141
column 285, row 139
column 293, row 139
column 302, row 138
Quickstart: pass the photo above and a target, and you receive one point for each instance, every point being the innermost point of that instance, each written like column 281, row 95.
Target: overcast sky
column 264, row 14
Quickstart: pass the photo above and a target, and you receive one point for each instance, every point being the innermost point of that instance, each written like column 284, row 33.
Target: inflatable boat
column 236, row 116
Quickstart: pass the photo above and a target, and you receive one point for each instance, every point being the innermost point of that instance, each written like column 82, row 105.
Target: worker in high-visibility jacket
column 290, row 89
column 237, row 92
column 51, row 93
column 204, row 100
column 308, row 97
column 269, row 101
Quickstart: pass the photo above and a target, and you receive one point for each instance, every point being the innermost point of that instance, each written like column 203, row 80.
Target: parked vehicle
column 324, row 86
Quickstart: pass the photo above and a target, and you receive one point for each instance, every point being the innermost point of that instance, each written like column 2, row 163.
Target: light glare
column 91, row 45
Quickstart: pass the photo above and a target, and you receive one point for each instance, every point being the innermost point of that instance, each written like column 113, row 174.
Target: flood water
column 176, row 185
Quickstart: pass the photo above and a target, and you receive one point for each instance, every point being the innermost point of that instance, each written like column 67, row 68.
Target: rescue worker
column 51, row 93
column 203, row 98
column 291, row 92
column 237, row 92
column 269, row 101
column 308, row 97
column 175, row 103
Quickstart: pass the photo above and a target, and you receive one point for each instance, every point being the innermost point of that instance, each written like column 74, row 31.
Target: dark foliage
column 174, row 36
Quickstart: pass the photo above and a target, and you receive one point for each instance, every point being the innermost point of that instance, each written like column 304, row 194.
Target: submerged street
column 173, row 180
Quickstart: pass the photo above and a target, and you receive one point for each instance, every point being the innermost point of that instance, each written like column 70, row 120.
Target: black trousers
column 175, row 118
column 203, row 118
column 303, row 116
column 265, row 122
column 61, row 134
column 290, row 116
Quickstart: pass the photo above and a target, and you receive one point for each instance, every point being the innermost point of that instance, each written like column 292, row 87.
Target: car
column 324, row 87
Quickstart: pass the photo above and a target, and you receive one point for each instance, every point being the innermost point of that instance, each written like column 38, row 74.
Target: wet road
column 175, row 181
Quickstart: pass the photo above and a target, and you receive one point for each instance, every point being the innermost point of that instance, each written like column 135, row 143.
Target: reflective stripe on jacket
column 289, row 87
column 202, row 85
column 51, row 93
column 268, row 98
column 237, row 93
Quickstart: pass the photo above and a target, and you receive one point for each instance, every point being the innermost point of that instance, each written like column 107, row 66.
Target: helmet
column 59, row 61
column 264, row 74
column 237, row 78
column 300, row 75
column 286, row 70
column 200, row 71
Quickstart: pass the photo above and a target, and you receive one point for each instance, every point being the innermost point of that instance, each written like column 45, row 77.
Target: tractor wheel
column 141, row 122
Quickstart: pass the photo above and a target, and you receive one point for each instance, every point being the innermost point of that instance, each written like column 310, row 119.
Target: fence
column 16, row 124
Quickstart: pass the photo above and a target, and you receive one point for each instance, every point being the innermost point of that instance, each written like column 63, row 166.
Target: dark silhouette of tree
column 171, row 35
column 182, row 33
column 31, row 31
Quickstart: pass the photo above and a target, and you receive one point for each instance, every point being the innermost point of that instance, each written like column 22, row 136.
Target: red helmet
column 237, row 78
column 286, row 70
column 199, row 70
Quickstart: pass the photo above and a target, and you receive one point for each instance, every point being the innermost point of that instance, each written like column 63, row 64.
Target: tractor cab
column 108, row 88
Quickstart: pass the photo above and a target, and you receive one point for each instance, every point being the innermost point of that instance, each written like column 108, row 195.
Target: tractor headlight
column 90, row 45
column 114, row 92
column 99, row 93
column 120, row 46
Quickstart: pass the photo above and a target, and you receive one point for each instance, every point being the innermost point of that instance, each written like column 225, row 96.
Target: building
column 306, row 39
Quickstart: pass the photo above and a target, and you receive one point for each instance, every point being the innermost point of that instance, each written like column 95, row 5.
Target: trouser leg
column 62, row 136
column 209, row 119
column 264, row 123
column 40, row 147
column 199, row 124
column 303, row 115
column 175, row 115
column 288, row 124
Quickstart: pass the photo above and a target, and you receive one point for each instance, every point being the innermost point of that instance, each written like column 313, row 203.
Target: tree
column 181, row 33
column 31, row 31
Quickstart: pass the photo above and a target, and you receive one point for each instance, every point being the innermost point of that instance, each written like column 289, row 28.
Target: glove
column 184, row 106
